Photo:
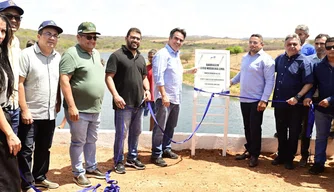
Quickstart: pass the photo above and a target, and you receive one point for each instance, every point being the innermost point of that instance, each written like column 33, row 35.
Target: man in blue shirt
column 303, row 32
column 324, row 111
column 319, row 44
column 257, row 77
column 294, row 78
column 168, row 74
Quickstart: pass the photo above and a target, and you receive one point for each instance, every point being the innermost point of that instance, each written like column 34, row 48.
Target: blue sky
column 233, row 18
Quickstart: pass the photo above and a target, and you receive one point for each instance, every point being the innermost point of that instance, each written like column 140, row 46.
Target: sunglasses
column 90, row 37
column 329, row 47
column 11, row 16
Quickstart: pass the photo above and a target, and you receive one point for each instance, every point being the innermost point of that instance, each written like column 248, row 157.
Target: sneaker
column 135, row 163
column 46, row 184
column 119, row 168
column 316, row 169
column 28, row 190
column 95, row 174
column 303, row 162
column 168, row 153
column 159, row 162
column 82, row 181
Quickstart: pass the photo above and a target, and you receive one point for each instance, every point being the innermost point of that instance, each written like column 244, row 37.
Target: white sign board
column 213, row 70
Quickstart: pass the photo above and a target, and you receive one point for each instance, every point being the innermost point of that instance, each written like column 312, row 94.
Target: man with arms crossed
column 257, row 78
column 82, row 83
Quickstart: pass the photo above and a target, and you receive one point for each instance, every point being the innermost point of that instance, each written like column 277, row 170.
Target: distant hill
column 110, row 43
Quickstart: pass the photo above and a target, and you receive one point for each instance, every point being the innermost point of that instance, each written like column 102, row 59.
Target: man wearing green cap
column 82, row 83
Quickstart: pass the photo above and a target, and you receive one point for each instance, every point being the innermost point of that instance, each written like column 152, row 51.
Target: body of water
column 185, row 117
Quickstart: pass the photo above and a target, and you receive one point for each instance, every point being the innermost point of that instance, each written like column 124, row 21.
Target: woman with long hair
column 10, row 144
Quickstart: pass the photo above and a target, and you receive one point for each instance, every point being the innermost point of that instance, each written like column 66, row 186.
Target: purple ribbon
column 113, row 187
column 93, row 188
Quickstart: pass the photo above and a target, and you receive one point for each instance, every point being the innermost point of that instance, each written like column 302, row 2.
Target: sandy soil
column 207, row 171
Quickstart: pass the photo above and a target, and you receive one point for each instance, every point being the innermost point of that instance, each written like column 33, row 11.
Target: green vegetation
column 235, row 49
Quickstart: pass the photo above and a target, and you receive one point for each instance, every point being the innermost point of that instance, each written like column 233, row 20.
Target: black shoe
column 277, row 161
column 303, row 162
column 331, row 135
column 168, row 153
column 95, row 174
column 275, row 135
column 253, row 162
column 119, row 168
column 289, row 165
column 159, row 162
column 242, row 156
column 135, row 163
column 316, row 169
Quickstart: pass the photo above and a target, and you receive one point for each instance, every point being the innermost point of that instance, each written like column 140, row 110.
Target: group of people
column 31, row 82
column 33, row 79
column 304, row 79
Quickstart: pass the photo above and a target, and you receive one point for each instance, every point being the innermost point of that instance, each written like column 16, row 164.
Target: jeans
column 167, row 118
column 252, row 125
column 127, row 120
column 36, row 139
column 323, row 126
column 288, row 127
column 83, row 142
column 15, row 117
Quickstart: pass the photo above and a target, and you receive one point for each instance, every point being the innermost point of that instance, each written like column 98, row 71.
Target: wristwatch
column 297, row 97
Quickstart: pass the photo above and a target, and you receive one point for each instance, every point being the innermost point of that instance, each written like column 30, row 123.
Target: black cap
column 50, row 23
column 10, row 4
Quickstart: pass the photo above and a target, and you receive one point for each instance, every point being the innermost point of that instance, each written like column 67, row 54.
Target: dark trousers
column 9, row 172
column 252, row 125
column 288, row 127
column 304, row 141
column 36, row 138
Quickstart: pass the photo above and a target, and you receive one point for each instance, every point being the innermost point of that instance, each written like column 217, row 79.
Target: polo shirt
column 41, row 75
column 129, row 73
column 14, row 53
column 87, row 81
column 292, row 74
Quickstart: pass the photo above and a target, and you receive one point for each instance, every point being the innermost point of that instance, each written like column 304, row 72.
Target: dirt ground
column 207, row 171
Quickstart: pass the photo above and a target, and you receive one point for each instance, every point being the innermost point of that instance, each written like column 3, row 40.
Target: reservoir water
column 235, row 124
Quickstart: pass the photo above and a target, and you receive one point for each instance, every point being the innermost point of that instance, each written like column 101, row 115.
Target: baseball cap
column 50, row 23
column 87, row 27
column 10, row 4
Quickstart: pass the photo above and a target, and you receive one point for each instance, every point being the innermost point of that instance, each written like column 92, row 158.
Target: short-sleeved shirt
column 292, row 74
column 41, row 75
column 129, row 71
column 87, row 81
column 14, row 53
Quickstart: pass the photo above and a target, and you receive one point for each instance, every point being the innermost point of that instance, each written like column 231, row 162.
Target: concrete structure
column 235, row 143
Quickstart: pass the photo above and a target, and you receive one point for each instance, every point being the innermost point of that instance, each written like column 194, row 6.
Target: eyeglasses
column 330, row 47
column 49, row 35
column 11, row 16
column 319, row 44
column 90, row 37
